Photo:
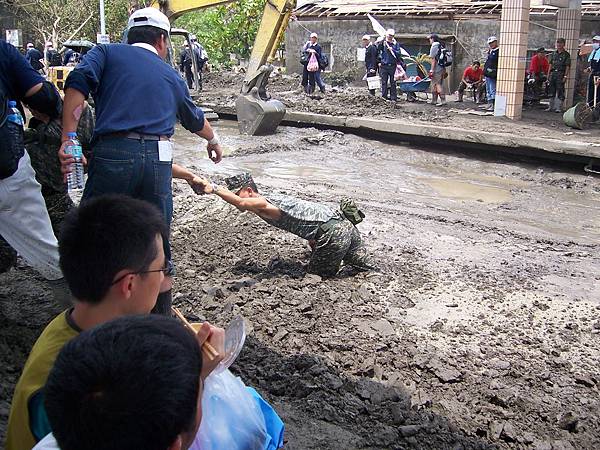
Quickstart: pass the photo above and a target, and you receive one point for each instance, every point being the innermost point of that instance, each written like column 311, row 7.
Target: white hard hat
column 29, row 45
column 492, row 39
column 366, row 37
column 390, row 32
column 596, row 38
column 150, row 17
column 315, row 35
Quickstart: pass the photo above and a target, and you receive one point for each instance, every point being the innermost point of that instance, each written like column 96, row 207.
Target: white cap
column 29, row 45
column 315, row 35
column 492, row 39
column 596, row 38
column 150, row 17
column 390, row 32
column 48, row 44
column 366, row 37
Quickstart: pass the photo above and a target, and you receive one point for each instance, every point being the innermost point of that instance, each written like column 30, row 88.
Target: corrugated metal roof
column 433, row 8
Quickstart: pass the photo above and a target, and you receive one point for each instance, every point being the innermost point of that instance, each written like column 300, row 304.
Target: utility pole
column 102, row 21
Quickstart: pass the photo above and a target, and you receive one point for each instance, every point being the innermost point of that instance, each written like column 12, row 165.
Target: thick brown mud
column 480, row 329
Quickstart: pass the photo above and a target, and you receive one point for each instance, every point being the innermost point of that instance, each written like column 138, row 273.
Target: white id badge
column 165, row 151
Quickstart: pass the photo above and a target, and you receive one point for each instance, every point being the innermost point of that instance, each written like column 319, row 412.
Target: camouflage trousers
column 336, row 244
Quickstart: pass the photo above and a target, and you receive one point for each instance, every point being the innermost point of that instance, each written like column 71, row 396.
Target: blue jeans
column 490, row 86
column 131, row 167
column 387, row 72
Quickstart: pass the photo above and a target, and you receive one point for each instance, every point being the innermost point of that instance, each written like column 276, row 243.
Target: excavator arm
column 257, row 112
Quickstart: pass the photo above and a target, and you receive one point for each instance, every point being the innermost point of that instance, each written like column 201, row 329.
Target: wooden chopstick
column 210, row 351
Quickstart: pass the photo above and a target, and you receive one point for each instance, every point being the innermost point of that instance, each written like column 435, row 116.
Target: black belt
column 136, row 136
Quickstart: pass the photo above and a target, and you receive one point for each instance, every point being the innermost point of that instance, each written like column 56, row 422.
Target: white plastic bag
column 313, row 63
column 231, row 417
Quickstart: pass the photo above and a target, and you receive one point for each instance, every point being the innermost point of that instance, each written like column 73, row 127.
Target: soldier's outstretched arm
column 257, row 205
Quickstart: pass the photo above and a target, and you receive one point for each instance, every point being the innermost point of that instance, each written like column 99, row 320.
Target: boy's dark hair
column 104, row 236
column 250, row 184
column 131, row 383
column 434, row 37
column 476, row 63
column 145, row 34
column 561, row 41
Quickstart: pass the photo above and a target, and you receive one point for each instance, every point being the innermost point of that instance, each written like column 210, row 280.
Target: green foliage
column 225, row 29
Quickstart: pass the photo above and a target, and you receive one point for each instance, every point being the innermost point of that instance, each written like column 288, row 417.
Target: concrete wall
column 471, row 36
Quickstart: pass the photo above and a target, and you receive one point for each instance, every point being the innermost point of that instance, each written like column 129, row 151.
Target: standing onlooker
column 560, row 64
column 34, row 57
column 132, row 152
column 185, row 65
column 490, row 71
column 24, row 220
column 594, row 79
column 472, row 79
column 53, row 58
column 390, row 56
column 310, row 79
column 201, row 58
column 370, row 59
column 437, row 72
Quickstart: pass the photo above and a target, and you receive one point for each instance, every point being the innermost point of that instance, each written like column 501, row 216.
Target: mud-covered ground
column 222, row 89
column 479, row 331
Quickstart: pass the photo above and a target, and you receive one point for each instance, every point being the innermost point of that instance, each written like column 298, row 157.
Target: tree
column 58, row 20
column 225, row 29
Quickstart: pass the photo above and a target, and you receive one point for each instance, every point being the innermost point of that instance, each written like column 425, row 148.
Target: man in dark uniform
column 594, row 79
column 333, row 238
column 185, row 66
column 370, row 59
column 560, row 64
column 201, row 58
column 34, row 57
column 138, row 98
column 24, row 220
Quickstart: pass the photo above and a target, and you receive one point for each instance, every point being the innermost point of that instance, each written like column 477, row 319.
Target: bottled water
column 14, row 115
column 75, row 180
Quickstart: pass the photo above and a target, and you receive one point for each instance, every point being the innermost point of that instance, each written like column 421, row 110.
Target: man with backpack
column 440, row 59
column 389, row 52
column 330, row 232
column 310, row 78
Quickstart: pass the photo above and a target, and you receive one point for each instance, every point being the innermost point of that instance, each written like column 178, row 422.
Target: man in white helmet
column 139, row 98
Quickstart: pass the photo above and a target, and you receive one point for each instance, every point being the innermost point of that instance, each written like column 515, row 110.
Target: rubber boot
column 442, row 100
column 61, row 292
column 460, row 96
column 558, row 105
column 550, row 105
column 164, row 303
column 434, row 98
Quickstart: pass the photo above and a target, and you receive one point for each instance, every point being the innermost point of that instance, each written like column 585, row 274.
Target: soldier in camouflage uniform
column 333, row 238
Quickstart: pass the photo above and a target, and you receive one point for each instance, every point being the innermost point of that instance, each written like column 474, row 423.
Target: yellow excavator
column 257, row 112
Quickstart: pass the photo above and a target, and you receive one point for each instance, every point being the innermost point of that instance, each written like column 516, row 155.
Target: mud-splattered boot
column 434, row 98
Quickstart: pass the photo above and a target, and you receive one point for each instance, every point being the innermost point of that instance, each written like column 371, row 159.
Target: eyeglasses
column 163, row 270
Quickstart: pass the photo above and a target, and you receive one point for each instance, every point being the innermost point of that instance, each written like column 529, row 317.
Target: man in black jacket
column 370, row 58
column 490, row 71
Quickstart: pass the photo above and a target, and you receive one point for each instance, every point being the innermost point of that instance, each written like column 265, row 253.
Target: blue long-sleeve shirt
column 390, row 53
column 134, row 90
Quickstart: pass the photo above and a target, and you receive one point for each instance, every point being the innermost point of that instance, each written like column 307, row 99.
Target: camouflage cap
column 237, row 182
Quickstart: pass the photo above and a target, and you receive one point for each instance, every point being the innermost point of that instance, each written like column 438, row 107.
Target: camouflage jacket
column 301, row 217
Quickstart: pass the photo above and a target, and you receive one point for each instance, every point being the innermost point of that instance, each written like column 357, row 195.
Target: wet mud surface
column 480, row 329
column 222, row 89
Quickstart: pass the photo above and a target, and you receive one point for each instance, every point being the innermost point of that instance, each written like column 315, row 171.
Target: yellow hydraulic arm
column 257, row 112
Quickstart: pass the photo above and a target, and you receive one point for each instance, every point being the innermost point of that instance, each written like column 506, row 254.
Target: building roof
column 429, row 8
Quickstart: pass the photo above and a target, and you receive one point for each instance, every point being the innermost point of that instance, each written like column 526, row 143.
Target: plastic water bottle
column 14, row 115
column 75, row 180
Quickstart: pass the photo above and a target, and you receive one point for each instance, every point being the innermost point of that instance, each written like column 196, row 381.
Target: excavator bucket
column 257, row 116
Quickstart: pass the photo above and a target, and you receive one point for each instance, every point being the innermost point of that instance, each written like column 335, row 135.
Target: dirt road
column 479, row 331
